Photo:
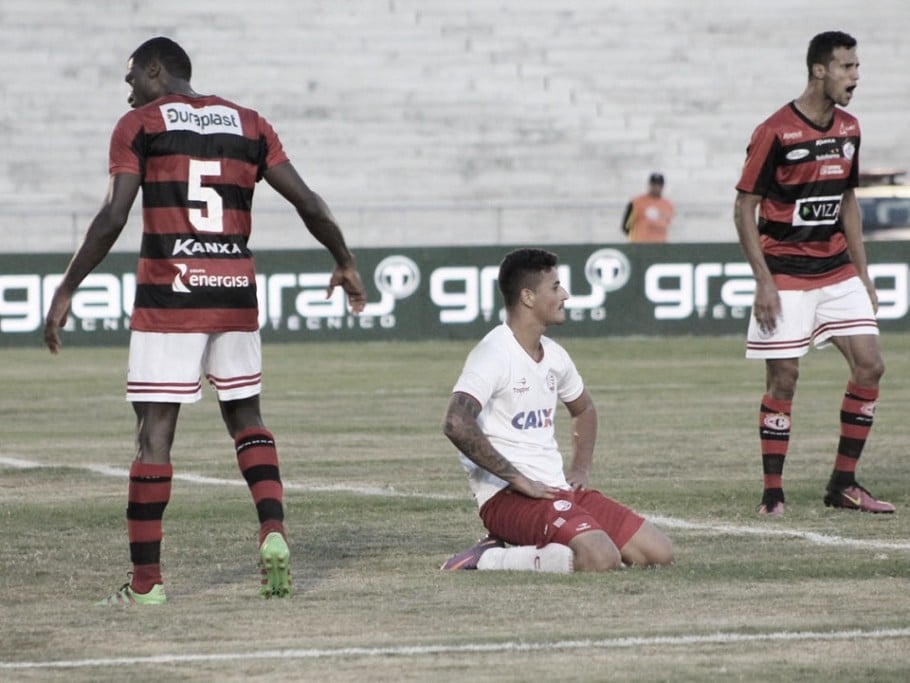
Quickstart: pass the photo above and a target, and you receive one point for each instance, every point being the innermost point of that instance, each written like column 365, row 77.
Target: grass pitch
column 376, row 501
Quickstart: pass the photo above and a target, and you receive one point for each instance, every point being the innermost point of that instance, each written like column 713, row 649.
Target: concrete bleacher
column 434, row 122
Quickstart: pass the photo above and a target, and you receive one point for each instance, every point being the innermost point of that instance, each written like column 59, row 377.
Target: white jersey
column 519, row 399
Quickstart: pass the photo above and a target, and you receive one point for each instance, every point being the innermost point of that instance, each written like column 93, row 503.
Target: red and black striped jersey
column 801, row 172
column 199, row 159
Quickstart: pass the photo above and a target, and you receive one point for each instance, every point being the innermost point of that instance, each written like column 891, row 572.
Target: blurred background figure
column 648, row 216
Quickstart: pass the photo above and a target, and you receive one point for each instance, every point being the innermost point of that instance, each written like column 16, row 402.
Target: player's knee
column 597, row 561
column 871, row 372
column 648, row 547
column 153, row 444
column 782, row 375
column 595, row 552
column 782, row 383
column 661, row 553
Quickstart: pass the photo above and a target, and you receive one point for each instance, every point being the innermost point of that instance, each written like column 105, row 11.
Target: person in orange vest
column 648, row 216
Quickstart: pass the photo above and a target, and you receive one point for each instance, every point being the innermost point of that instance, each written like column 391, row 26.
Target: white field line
column 123, row 473
column 810, row 536
column 719, row 638
column 668, row 522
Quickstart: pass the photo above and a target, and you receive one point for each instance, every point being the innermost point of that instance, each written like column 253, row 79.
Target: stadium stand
column 442, row 121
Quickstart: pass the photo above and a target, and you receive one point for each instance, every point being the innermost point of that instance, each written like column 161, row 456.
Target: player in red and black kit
column 197, row 159
column 807, row 255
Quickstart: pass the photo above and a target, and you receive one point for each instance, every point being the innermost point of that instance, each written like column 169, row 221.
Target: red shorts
column 520, row 520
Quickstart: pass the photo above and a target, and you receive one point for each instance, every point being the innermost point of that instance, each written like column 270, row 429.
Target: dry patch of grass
column 678, row 440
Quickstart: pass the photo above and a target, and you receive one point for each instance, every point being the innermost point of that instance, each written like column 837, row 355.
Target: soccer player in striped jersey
column 800, row 228
column 197, row 159
column 501, row 418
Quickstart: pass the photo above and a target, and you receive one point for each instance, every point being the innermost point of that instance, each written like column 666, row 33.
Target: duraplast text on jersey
column 208, row 120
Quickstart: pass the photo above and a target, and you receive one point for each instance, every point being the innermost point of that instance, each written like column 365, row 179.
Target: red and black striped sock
column 149, row 493
column 257, row 458
column 856, row 416
column 774, row 432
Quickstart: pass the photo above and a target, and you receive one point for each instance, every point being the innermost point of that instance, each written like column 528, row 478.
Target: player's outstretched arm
column 312, row 209
column 322, row 225
column 101, row 235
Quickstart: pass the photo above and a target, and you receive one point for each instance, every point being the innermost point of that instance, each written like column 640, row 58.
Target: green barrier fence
column 445, row 293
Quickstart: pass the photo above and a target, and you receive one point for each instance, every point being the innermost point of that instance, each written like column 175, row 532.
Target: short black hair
column 522, row 269
column 822, row 47
column 173, row 57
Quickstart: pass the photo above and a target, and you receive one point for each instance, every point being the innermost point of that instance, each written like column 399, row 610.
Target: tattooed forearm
column 463, row 431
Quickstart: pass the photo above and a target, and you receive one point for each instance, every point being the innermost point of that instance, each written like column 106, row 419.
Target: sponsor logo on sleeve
column 847, row 129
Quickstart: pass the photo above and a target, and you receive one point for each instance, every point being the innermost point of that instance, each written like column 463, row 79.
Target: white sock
column 553, row 557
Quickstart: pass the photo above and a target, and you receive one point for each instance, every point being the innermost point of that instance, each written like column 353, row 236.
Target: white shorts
column 167, row 367
column 814, row 316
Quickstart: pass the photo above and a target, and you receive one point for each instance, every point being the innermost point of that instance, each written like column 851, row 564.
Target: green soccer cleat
column 275, row 564
column 127, row 597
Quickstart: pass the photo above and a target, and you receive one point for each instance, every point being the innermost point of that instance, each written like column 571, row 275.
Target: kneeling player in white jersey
column 501, row 418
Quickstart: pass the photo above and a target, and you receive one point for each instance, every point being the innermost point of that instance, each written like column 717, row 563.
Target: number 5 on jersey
column 210, row 218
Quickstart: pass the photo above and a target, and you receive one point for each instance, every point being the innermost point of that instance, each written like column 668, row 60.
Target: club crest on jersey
column 533, row 419
column 849, row 150
column 551, row 381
